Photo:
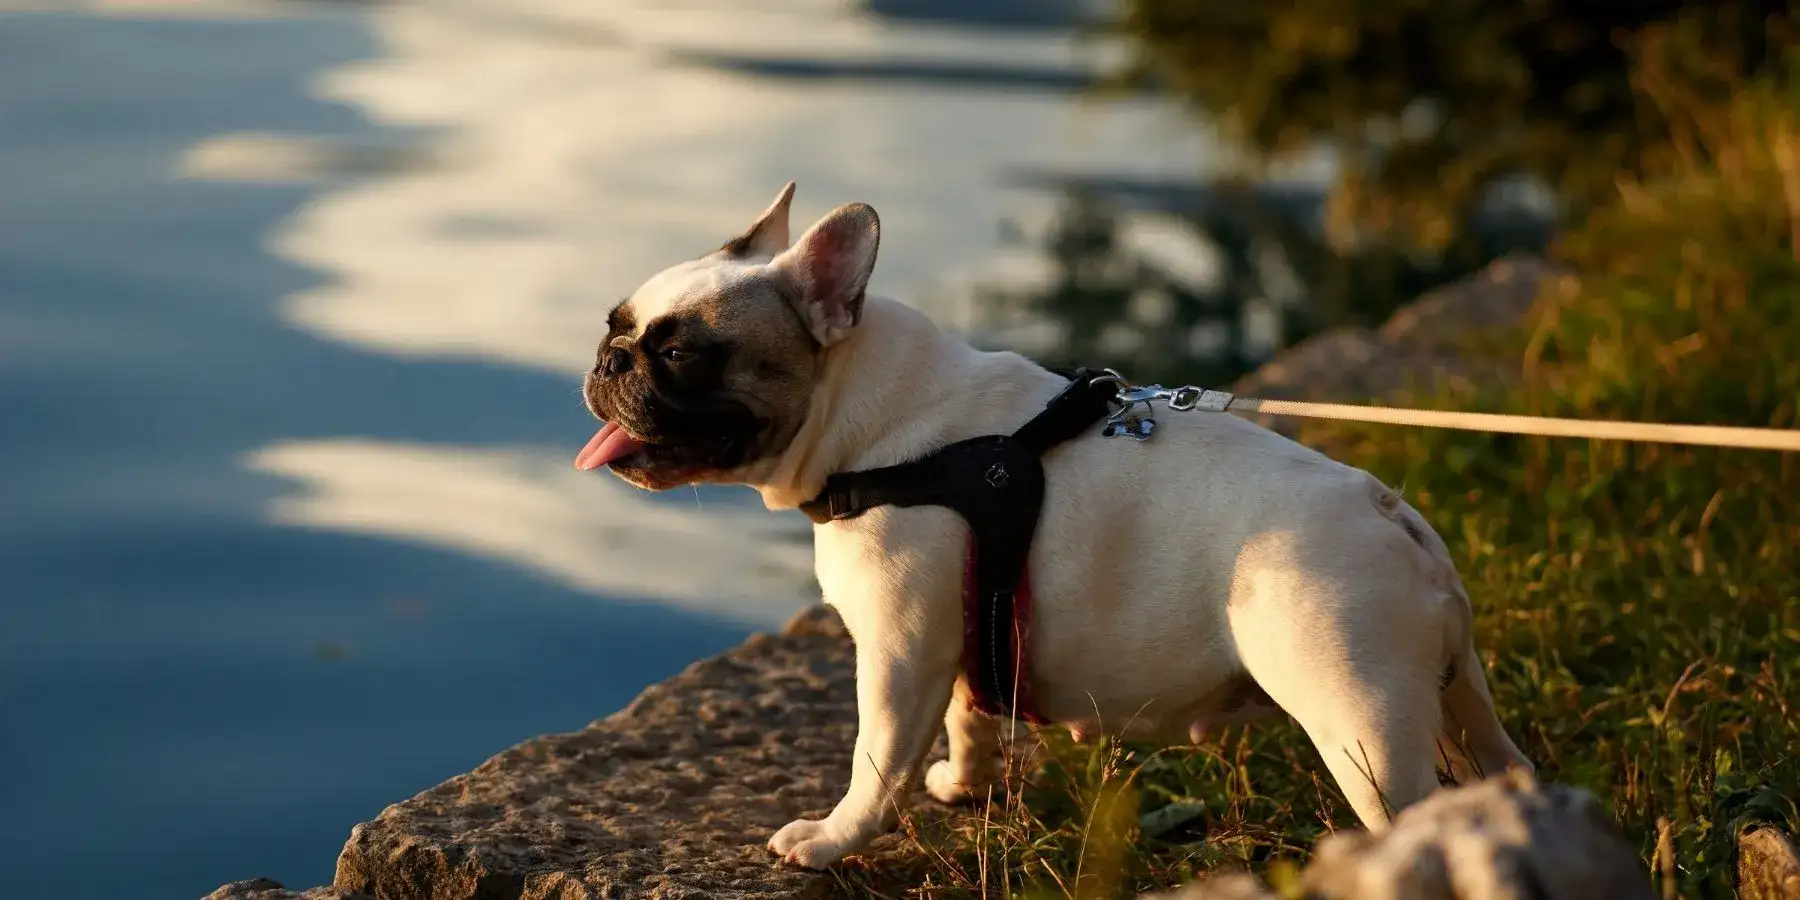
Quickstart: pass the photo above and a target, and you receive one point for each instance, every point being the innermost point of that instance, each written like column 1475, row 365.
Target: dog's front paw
column 809, row 843
column 941, row 783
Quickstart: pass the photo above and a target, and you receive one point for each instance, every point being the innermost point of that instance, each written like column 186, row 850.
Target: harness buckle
column 842, row 507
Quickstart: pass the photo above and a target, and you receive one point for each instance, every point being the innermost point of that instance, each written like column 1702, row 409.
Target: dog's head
column 710, row 365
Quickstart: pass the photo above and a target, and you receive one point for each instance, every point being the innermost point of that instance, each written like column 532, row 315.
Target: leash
column 1127, row 420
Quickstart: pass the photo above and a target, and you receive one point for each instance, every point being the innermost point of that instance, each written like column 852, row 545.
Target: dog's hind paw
column 942, row 784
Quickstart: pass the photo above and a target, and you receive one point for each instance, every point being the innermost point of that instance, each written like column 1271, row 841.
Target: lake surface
column 293, row 303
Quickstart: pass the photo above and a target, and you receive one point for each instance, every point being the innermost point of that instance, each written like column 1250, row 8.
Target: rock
column 1498, row 296
column 1500, row 839
column 1768, row 867
column 264, row 889
column 1236, row 886
column 816, row 621
column 1425, row 342
column 673, row 797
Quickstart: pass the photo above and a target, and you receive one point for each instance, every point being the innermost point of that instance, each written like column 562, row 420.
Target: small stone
column 266, row 889
column 1768, row 866
column 1235, row 886
column 1498, row 839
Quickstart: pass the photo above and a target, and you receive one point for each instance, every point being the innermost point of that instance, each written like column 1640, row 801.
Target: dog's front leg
column 903, row 684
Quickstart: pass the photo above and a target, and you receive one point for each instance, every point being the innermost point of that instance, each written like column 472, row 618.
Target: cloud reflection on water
column 531, row 509
column 565, row 150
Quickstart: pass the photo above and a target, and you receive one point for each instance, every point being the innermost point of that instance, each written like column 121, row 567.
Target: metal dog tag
column 1129, row 424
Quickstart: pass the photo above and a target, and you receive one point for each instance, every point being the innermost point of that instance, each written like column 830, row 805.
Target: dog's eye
column 675, row 354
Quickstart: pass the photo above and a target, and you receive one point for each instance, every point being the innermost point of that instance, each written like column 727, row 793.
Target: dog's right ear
column 829, row 268
column 769, row 235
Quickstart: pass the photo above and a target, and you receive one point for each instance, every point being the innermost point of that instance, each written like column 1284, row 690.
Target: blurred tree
column 1276, row 281
column 1436, row 110
column 1115, row 305
column 1430, row 102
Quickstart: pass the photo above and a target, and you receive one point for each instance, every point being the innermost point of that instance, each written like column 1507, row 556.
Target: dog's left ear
column 829, row 268
column 769, row 235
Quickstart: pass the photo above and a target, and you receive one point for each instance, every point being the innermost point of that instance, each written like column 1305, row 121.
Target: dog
column 1217, row 574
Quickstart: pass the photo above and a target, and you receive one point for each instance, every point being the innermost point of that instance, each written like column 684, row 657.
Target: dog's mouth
column 656, row 445
column 647, row 464
column 608, row 445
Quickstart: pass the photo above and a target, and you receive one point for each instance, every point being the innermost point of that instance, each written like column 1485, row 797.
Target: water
column 292, row 304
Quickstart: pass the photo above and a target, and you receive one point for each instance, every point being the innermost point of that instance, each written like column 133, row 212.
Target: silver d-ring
column 1183, row 399
column 1107, row 376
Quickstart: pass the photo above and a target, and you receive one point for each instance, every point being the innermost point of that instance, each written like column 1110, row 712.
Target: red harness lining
column 979, row 696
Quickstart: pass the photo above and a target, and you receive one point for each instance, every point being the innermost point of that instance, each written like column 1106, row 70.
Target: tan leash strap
column 1703, row 435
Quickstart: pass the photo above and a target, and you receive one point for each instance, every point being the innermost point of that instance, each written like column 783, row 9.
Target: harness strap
column 996, row 483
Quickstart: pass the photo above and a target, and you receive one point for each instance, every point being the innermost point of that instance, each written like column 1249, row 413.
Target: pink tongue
column 608, row 444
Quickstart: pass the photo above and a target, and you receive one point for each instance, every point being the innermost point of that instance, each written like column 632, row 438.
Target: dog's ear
column 829, row 269
column 769, row 235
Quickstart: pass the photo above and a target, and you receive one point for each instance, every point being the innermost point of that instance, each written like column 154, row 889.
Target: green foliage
column 1637, row 606
column 1640, row 604
column 1431, row 100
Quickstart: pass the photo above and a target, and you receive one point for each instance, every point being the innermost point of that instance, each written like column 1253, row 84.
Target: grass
column 1638, row 606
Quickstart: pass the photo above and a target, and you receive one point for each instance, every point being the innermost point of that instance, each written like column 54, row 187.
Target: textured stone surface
column 1235, row 886
column 264, row 889
column 1496, row 840
column 1425, row 342
column 674, row 796
column 1768, row 867
column 1503, row 839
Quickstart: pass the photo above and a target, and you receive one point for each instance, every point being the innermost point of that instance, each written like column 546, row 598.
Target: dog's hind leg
column 1376, row 730
column 1349, row 645
column 974, row 753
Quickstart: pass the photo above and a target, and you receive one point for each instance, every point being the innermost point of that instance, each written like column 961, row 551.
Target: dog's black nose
column 615, row 361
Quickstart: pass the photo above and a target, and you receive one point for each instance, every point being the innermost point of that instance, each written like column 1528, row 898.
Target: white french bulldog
column 1216, row 574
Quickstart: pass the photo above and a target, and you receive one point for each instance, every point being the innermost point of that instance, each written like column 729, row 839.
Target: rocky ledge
column 671, row 797
column 674, row 796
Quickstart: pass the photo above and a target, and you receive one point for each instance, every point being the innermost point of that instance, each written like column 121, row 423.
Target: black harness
column 996, row 483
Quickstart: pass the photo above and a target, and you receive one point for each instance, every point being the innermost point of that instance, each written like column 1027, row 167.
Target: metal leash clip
column 1188, row 398
column 1127, row 420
